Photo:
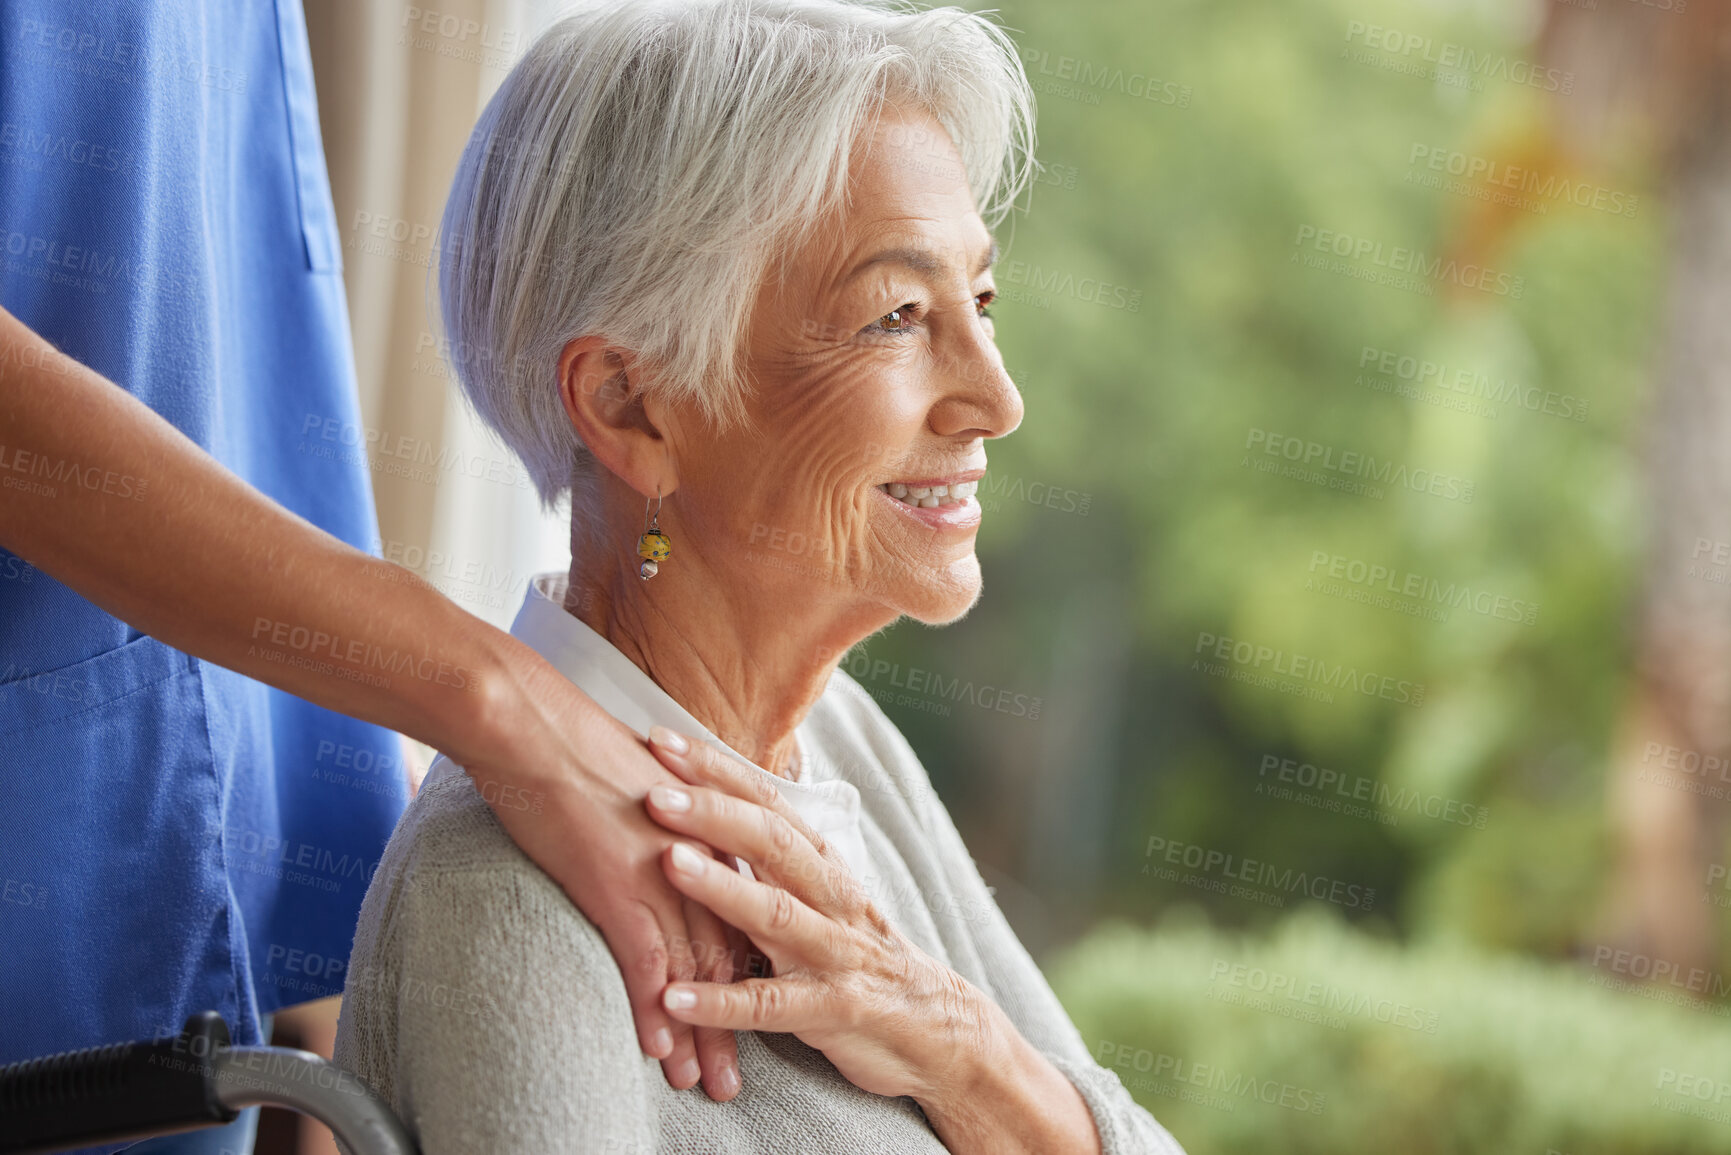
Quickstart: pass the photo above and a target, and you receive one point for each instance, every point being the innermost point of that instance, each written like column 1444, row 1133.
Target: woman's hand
column 891, row 1018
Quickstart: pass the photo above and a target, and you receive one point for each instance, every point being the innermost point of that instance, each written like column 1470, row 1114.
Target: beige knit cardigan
column 490, row 1013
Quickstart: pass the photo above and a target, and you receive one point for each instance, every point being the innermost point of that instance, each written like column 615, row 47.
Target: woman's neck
column 748, row 668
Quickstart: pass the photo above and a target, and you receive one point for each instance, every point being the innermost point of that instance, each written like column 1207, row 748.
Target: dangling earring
column 653, row 547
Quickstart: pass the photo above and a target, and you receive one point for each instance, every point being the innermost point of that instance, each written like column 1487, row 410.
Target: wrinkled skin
column 872, row 361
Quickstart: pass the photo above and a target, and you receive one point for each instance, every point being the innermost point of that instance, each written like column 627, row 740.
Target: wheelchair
column 139, row 1090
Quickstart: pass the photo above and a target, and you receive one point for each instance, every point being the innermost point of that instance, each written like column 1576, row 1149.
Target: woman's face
column 875, row 379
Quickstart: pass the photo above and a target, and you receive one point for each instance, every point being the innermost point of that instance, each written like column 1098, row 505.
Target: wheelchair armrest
column 136, row 1090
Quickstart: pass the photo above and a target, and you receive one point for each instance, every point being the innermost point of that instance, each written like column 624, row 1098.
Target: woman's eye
column 897, row 320
column 902, row 320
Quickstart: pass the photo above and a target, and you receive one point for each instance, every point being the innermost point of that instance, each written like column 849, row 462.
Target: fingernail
column 670, row 798
column 669, row 739
column 690, row 1072
column 679, row 999
column 727, row 1081
column 686, row 859
column 660, row 1043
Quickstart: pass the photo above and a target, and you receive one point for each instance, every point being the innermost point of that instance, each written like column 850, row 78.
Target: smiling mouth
column 931, row 496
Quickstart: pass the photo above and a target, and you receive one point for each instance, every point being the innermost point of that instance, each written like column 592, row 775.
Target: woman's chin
column 949, row 595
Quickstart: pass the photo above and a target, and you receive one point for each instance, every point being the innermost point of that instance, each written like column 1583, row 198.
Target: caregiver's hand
column 156, row 532
column 567, row 782
column 893, row 1020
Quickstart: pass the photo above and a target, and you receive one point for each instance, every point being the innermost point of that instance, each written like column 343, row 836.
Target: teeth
column 931, row 496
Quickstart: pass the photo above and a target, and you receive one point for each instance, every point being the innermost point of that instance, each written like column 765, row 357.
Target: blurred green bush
column 1320, row 1038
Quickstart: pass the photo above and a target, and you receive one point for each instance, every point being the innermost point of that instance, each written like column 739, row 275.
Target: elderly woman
column 720, row 268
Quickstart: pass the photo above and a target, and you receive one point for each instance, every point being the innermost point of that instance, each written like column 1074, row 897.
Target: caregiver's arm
column 101, row 493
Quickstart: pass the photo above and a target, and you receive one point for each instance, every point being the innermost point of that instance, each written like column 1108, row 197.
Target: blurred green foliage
column 1146, row 424
column 1322, row 1039
column 1205, row 209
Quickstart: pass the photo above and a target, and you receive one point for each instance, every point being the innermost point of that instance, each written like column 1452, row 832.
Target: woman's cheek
column 814, row 524
column 845, row 524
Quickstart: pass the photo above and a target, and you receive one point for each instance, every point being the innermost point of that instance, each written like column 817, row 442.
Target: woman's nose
column 977, row 397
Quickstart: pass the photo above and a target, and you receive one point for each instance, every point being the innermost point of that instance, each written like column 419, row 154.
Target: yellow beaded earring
column 653, row 547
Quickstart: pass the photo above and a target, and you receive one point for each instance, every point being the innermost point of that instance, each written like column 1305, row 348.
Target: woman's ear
column 603, row 398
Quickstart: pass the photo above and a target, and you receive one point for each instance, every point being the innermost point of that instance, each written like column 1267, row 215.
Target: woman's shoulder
column 476, row 985
column 450, row 827
column 451, row 864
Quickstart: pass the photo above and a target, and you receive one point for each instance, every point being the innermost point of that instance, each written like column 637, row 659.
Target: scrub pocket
column 306, row 146
column 116, row 919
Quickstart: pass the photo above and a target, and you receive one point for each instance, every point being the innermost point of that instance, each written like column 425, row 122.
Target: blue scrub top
column 175, row 837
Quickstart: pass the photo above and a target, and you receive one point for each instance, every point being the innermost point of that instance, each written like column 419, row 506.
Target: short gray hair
column 646, row 161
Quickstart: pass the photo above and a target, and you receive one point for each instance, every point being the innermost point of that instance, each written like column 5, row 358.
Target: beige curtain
column 400, row 87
